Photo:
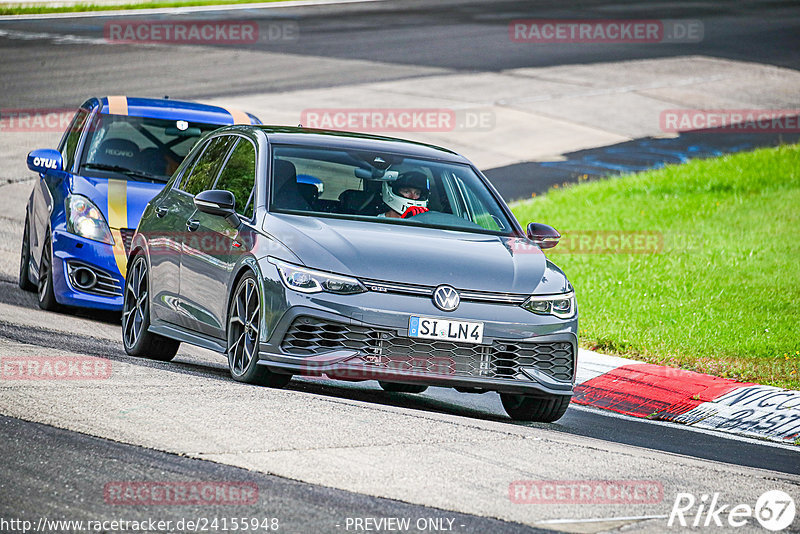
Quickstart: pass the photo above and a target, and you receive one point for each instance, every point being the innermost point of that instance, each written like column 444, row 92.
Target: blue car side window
column 70, row 142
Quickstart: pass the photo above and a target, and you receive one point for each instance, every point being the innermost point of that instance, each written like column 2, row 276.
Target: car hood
column 417, row 255
column 130, row 194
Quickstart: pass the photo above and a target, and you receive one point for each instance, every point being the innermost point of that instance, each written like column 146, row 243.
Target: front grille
column 427, row 291
column 127, row 238
column 385, row 349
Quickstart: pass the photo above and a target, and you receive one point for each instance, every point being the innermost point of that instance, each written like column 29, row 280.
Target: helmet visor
column 412, row 180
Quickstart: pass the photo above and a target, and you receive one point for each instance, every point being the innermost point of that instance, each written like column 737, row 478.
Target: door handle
column 161, row 211
column 192, row 224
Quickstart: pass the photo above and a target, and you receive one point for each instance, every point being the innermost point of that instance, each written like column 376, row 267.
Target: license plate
column 430, row 328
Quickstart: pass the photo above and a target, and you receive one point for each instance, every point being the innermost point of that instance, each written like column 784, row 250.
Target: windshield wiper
column 123, row 170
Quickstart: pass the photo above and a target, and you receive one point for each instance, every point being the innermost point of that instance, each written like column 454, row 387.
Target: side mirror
column 543, row 235
column 44, row 160
column 218, row 202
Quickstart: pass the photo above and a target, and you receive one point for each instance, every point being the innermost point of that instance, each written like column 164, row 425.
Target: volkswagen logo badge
column 446, row 298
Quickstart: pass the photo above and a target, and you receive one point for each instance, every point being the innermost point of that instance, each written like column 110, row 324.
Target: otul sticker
column 47, row 163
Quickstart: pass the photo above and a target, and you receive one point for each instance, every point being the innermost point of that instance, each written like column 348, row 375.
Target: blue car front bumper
column 74, row 257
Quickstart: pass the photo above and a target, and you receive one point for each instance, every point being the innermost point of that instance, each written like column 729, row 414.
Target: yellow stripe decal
column 239, row 117
column 118, row 218
column 118, row 105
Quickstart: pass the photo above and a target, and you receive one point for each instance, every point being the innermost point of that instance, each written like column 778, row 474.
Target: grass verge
column 23, row 9
column 718, row 292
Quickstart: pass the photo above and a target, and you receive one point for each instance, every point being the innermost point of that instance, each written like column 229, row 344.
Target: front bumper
column 512, row 359
column 70, row 250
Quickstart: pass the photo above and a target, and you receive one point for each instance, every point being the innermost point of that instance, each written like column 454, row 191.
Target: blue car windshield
column 383, row 188
column 139, row 147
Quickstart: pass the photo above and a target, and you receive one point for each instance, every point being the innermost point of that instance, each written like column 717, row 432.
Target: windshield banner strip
column 118, row 105
column 118, row 218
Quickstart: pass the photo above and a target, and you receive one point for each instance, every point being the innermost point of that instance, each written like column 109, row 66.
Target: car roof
column 164, row 108
column 356, row 141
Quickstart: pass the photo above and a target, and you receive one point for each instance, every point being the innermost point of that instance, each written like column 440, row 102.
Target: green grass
column 723, row 294
column 23, row 9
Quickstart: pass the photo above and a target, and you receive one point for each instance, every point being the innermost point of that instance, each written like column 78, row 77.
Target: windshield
column 383, row 188
column 140, row 147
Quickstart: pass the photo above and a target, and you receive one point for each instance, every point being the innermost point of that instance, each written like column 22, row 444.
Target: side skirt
column 187, row 336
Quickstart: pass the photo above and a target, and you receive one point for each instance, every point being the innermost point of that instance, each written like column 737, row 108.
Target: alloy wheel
column 135, row 307
column 44, row 272
column 243, row 327
column 25, row 259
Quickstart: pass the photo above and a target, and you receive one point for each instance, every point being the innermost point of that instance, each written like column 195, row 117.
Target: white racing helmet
column 391, row 191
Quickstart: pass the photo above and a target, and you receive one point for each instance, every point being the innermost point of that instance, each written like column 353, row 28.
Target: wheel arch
column 139, row 245
column 135, row 251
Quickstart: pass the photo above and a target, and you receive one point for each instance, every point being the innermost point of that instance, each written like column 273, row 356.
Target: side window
column 239, row 177
column 70, row 142
column 188, row 164
column 205, row 169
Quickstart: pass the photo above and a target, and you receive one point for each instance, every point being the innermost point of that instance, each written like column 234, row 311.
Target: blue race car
column 117, row 154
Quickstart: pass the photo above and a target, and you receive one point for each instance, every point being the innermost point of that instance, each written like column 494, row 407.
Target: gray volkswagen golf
column 357, row 257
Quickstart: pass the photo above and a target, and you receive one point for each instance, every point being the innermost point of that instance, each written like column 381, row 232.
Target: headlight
column 562, row 306
column 86, row 220
column 310, row 281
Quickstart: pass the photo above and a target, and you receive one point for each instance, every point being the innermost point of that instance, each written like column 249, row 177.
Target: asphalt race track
column 301, row 507
column 322, row 452
column 395, row 39
column 579, row 420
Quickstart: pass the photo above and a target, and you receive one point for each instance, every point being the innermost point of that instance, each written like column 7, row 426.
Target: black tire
column 25, row 260
column 533, row 409
column 244, row 322
column 136, row 317
column 396, row 387
column 44, row 290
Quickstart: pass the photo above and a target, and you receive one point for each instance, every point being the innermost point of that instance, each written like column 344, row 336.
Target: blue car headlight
column 563, row 306
column 307, row 280
column 86, row 220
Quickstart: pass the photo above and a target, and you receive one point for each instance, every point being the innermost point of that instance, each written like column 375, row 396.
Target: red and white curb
column 639, row 389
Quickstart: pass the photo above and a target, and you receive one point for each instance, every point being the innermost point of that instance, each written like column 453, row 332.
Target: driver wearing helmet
column 407, row 196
